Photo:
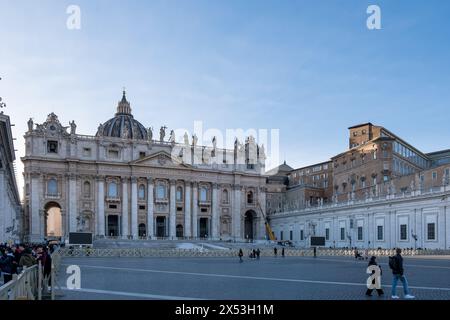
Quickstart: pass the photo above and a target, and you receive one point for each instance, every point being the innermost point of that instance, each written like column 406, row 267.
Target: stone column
column 150, row 201
column 42, row 218
column 100, row 206
column 172, row 211
column 72, row 197
column 262, row 213
column 134, row 208
column 3, row 200
column 215, row 213
column 237, row 212
column 35, row 193
column 195, row 210
column 187, row 210
column 125, row 229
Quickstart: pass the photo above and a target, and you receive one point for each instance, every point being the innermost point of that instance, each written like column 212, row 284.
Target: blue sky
column 308, row 68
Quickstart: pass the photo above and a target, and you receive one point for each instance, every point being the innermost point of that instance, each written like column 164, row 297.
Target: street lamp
column 415, row 239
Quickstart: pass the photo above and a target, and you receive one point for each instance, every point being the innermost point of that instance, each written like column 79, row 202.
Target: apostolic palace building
column 127, row 182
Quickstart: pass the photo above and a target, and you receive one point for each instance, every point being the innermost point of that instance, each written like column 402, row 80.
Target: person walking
column 373, row 262
column 27, row 259
column 240, row 254
column 258, row 252
column 282, row 252
column 396, row 264
column 6, row 264
column 275, row 251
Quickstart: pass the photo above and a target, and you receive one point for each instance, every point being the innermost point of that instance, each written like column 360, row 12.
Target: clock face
column 52, row 127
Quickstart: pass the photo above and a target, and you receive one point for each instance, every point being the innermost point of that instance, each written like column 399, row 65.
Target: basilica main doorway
column 203, row 227
column 113, row 225
column 160, row 227
column 53, row 220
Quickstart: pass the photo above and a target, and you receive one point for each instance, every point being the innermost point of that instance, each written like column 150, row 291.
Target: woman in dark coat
column 373, row 262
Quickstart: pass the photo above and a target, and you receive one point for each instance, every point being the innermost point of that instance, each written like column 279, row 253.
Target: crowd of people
column 14, row 258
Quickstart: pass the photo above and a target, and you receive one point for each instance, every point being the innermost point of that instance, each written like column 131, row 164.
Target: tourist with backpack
column 396, row 264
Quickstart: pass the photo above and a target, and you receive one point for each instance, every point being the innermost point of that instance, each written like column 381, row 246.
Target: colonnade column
column 35, row 193
column 187, row 210
column 134, row 207
column 100, row 206
column 125, row 229
column 172, row 211
column 215, row 212
column 72, row 202
column 150, row 228
column 194, row 210
column 237, row 212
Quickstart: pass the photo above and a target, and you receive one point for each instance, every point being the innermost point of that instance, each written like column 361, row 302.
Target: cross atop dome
column 124, row 106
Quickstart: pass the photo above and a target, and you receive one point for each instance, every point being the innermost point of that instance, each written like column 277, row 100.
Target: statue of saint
column 194, row 140
column 150, row 134
column 186, row 139
column 30, row 124
column 162, row 133
column 73, row 127
column 100, row 130
column 172, row 136
column 214, row 142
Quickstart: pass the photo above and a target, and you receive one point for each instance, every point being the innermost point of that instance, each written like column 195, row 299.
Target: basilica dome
column 123, row 125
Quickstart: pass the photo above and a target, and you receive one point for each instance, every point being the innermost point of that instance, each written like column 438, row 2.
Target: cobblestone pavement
column 269, row 278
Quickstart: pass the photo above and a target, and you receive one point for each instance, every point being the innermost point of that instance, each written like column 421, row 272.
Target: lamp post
column 415, row 239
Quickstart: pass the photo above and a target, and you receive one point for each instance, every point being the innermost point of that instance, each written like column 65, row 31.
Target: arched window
column 203, row 194
column 225, row 196
column 179, row 194
column 52, row 187
column 141, row 192
column 87, row 188
column 112, row 190
column 161, row 191
column 250, row 197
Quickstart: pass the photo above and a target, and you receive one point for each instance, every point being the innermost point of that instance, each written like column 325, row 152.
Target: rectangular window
column 431, row 234
column 290, row 235
column 302, row 235
column 360, row 233
column 113, row 154
column 141, row 155
column 385, row 178
column 403, row 232
column 141, row 207
column 281, row 235
column 52, row 146
column 342, row 233
column 87, row 152
column 327, row 234
column 434, row 175
column 380, row 233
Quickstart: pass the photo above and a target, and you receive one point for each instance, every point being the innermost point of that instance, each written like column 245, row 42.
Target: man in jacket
column 397, row 273
column 27, row 259
column 6, row 264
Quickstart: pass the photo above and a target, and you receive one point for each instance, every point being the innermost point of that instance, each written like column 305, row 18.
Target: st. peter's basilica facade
column 123, row 182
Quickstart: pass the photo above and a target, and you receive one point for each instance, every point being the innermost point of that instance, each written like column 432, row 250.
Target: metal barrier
column 25, row 286
column 159, row 252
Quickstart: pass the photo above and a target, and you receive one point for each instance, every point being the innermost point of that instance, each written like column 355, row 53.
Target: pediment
column 160, row 159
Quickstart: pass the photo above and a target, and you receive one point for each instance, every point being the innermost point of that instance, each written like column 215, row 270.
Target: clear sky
column 308, row 68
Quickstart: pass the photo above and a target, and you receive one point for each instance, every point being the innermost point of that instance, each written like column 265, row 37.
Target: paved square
column 268, row 278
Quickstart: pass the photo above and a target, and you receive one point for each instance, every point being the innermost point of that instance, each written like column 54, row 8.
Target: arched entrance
column 53, row 220
column 179, row 231
column 142, row 230
column 203, row 227
column 249, row 222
